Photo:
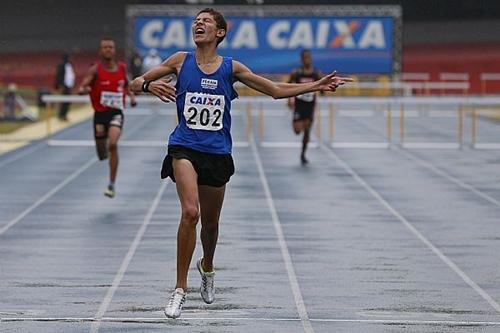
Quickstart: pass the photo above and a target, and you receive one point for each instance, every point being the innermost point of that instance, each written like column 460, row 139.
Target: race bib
column 307, row 97
column 112, row 99
column 204, row 111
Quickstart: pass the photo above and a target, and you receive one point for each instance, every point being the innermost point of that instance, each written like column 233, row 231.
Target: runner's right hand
column 163, row 90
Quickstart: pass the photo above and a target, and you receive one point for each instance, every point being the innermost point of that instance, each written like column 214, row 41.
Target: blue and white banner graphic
column 272, row 44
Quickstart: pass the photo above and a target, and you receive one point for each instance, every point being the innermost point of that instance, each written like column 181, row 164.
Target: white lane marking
column 241, row 144
column 292, row 277
column 451, row 178
column 22, row 154
column 72, row 143
column 487, row 145
column 413, row 322
column 363, row 145
column 58, row 187
column 443, row 113
column 162, row 320
column 407, row 114
column 430, row 145
column 417, row 233
column 290, row 144
column 126, row 261
column 356, row 113
column 47, row 195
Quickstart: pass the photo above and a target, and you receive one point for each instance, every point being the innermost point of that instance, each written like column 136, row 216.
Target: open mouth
column 199, row 31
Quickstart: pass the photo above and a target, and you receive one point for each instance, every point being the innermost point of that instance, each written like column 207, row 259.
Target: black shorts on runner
column 299, row 115
column 212, row 169
column 303, row 111
column 106, row 119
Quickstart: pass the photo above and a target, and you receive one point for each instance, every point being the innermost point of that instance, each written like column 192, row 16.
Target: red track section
column 38, row 69
column 471, row 58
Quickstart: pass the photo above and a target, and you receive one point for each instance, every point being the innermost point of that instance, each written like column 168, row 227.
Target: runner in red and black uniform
column 107, row 84
column 303, row 105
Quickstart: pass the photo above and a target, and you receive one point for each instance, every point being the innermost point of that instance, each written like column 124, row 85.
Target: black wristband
column 145, row 86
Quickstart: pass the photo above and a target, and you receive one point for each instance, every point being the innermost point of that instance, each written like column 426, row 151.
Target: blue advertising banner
column 272, row 44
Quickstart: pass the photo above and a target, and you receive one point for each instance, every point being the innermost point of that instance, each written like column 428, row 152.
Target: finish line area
column 389, row 227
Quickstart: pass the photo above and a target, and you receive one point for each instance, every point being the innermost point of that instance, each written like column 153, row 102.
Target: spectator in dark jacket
column 135, row 66
column 65, row 81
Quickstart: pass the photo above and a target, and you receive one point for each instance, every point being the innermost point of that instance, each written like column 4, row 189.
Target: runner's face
column 107, row 49
column 205, row 29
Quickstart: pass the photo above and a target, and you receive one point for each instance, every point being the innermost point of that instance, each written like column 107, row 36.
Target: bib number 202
column 204, row 118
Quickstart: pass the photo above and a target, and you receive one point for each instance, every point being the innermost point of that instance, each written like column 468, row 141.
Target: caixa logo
column 275, row 33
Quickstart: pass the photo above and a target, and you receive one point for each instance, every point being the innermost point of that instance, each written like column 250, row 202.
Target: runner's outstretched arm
column 278, row 90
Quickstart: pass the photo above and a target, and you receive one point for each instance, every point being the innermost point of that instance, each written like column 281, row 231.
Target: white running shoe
column 207, row 289
column 110, row 192
column 174, row 306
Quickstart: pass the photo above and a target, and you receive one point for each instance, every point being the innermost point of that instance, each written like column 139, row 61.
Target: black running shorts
column 299, row 115
column 212, row 169
column 303, row 110
column 104, row 120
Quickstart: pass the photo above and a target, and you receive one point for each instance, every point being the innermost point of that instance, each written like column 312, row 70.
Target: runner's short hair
column 304, row 51
column 219, row 20
column 106, row 38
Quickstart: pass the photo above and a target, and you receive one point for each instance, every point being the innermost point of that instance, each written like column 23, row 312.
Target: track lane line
column 126, row 261
column 448, row 176
column 415, row 231
column 292, row 276
column 162, row 320
column 58, row 187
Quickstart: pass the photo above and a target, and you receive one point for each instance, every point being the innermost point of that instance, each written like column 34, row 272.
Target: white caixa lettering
column 344, row 33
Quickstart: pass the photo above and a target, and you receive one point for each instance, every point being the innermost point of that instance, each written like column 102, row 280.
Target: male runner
column 106, row 82
column 303, row 105
column 199, row 149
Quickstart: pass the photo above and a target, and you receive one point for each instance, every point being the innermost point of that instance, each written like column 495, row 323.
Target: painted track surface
column 359, row 240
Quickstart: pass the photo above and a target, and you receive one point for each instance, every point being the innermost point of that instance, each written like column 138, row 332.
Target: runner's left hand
column 331, row 82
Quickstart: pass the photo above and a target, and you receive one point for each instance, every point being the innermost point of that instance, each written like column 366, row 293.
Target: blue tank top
column 203, row 107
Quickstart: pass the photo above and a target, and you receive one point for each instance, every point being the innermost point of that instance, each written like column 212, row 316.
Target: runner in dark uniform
column 303, row 105
column 107, row 84
column 199, row 153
